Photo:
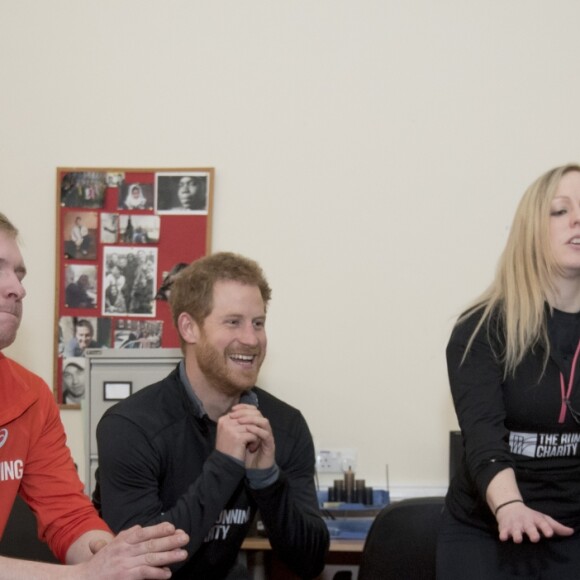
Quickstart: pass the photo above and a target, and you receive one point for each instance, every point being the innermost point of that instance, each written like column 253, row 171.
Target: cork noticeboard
column 121, row 234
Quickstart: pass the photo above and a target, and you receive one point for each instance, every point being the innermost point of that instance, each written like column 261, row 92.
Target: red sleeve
column 50, row 484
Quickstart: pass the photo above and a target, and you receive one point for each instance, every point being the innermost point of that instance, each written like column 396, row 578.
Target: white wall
column 368, row 153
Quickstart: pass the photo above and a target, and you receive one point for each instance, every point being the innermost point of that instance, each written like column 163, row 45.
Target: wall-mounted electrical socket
column 335, row 460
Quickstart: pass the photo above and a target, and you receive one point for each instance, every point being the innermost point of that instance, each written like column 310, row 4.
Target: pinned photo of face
column 182, row 193
column 73, row 380
column 79, row 333
column 134, row 196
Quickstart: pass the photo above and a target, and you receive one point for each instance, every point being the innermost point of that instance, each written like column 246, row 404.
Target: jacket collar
column 249, row 397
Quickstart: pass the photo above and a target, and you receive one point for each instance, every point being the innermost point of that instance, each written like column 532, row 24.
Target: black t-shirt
column 564, row 333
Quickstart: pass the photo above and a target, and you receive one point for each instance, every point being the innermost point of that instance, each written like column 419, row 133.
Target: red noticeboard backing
column 120, row 233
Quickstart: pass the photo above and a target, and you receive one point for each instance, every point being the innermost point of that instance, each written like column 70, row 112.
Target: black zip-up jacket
column 515, row 422
column 157, row 462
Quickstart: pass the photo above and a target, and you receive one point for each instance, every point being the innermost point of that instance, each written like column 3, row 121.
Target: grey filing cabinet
column 111, row 374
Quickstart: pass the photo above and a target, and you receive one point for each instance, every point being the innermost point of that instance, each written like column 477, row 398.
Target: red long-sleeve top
column 36, row 463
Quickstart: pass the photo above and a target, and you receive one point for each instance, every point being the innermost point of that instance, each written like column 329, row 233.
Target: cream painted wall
column 368, row 153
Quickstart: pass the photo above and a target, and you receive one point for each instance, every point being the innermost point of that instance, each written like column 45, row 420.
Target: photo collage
column 122, row 234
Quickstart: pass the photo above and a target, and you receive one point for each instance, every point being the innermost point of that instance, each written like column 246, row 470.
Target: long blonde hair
column 525, row 276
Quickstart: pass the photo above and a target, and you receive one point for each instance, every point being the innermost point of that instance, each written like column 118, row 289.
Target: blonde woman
column 513, row 360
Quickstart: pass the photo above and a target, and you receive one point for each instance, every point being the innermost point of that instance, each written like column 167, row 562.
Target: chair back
column 20, row 539
column 455, row 452
column 402, row 541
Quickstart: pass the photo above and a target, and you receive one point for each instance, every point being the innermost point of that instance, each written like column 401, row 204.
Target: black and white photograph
column 73, row 380
column 135, row 196
column 83, row 189
column 180, row 193
column 80, row 286
column 137, row 333
column 77, row 333
column 80, row 230
column 109, row 228
column 139, row 229
column 129, row 277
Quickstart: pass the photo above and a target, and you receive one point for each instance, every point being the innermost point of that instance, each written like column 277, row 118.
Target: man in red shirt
column 36, row 464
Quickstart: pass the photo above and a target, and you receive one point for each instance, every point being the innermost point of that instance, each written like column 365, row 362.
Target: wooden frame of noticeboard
column 121, row 234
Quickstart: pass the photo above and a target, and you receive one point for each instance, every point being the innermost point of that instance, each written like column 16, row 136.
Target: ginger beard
column 231, row 372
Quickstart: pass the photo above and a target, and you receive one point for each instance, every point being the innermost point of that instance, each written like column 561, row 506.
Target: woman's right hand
column 516, row 520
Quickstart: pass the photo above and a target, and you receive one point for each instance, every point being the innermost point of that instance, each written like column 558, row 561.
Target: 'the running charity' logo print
column 541, row 445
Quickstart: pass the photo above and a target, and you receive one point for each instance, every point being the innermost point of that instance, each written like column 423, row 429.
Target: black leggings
column 465, row 552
